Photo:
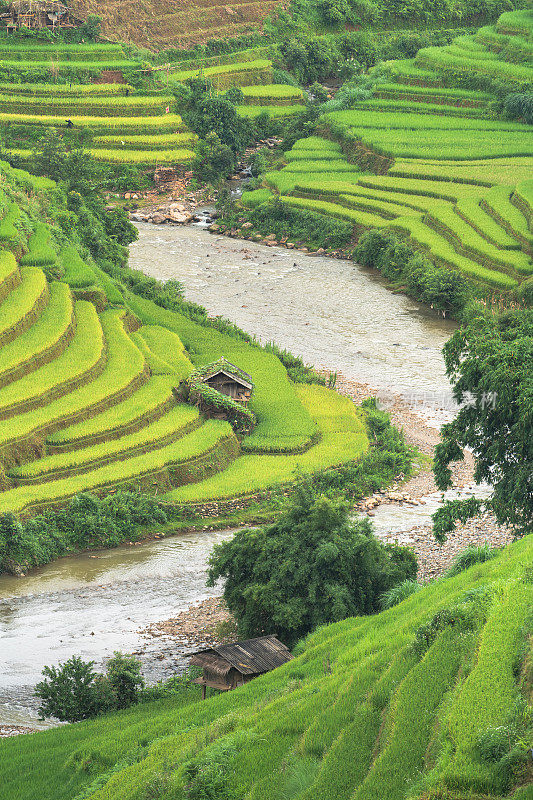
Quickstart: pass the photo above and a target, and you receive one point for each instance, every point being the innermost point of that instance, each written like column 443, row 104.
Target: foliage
column 313, row 566
column 399, row 593
column 475, row 554
column 489, row 362
column 125, row 679
column 71, row 692
column 85, row 522
column 74, row 691
column 520, row 106
column 300, row 225
column 439, row 287
column 205, row 112
column 213, row 161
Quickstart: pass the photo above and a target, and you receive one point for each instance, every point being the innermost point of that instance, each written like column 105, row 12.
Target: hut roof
column 227, row 368
column 250, row 657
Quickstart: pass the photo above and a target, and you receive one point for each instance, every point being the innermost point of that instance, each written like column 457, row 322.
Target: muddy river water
column 331, row 312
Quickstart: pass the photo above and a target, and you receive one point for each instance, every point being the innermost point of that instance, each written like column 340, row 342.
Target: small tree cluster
column 74, row 691
column 314, row 566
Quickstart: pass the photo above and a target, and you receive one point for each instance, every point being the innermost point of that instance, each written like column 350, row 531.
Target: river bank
column 334, row 314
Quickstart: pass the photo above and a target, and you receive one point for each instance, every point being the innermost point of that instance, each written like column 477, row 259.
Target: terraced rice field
column 455, row 179
column 129, row 126
column 88, row 393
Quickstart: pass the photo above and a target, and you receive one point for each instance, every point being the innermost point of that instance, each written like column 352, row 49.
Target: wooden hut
column 228, row 379
column 38, row 14
column 230, row 665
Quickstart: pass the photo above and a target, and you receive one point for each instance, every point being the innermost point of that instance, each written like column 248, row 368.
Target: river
column 331, row 312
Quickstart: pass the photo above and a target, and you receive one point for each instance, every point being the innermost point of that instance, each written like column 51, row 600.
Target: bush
column 472, row 555
column 125, row 679
column 462, row 617
column 86, row 522
column 441, row 288
column 313, row 566
column 298, row 224
column 74, row 691
column 398, row 593
column 520, row 106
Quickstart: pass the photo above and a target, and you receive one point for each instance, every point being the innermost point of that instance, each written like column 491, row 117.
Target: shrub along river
column 335, row 315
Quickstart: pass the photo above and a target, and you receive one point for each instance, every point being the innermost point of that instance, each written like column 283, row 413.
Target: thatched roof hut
column 228, row 379
column 39, row 14
column 227, row 666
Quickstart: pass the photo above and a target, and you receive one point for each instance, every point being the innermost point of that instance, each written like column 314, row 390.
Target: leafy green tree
column 12, row 538
column 125, row 678
column 315, row 565
column 213, row 160
column 310, row 58
column 206, row 112
column 490, row 365
column 74, row 691
column 334, row 11
column 71, row 691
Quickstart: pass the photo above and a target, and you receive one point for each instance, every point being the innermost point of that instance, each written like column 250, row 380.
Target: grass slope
column 359, row 714
column 448, row 170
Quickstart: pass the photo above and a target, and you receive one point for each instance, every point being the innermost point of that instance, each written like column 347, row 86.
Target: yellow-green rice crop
column 167, row 346
column 21, row 301
column 192, row 445
column 343, row 438
column 72, row 367
column 168, row 428
column 29, row 347
column 144, row 404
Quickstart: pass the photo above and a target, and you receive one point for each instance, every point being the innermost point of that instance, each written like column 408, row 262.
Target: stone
column 270, row 236
column 290, row 245
column 214, row 228
column 247, row 225
column 180, row 219
column 158, row 219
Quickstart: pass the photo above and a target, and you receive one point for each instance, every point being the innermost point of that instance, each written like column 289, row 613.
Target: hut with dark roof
column 227, row 666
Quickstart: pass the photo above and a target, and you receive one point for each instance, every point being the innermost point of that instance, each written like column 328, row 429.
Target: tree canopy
column 490, row 365
column 313, row 566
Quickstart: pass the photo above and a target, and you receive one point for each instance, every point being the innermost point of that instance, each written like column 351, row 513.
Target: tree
column 490, row 365
column 315, row 565
column 71, row 692
column 74, row 691
column 213, row 161
column 206, row 112
column 125, row 678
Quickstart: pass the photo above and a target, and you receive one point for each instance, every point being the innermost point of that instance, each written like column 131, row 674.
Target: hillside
column 427, row 157
column 167, row 23
column 426, row 700
column 89, row 377
column 48, row 84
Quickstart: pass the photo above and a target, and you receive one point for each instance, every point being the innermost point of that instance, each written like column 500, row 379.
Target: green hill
column 50, row 84
column 430, row 699
column 90, row 376
column 453, row 177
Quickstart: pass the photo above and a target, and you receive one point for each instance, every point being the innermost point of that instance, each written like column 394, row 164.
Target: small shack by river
column 227, row 666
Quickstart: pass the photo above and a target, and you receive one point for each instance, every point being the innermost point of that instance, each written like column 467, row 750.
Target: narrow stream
column 331, row 312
